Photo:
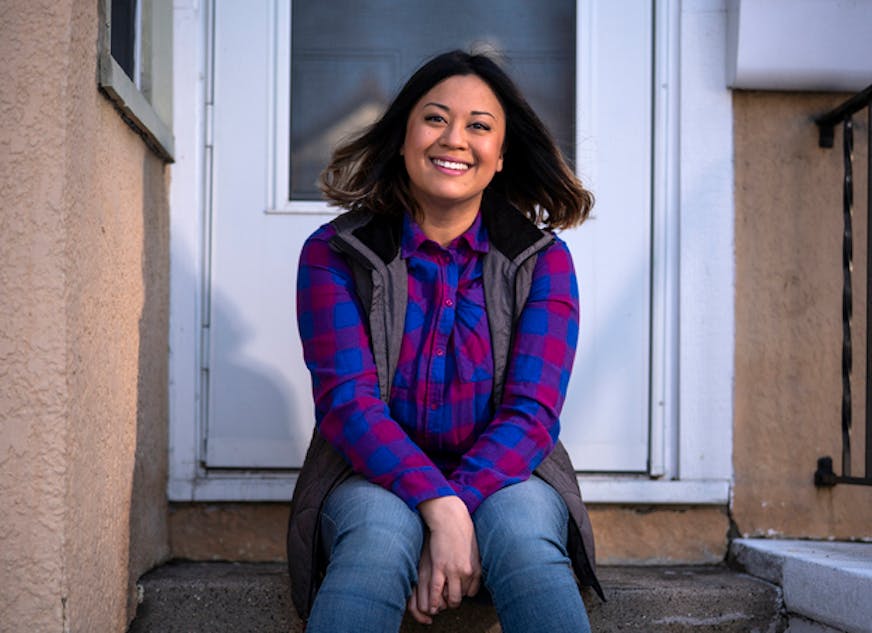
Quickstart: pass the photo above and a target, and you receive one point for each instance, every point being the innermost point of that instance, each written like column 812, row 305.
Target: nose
column 453, row 136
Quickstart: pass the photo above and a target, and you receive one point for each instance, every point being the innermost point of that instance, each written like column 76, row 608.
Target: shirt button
column 440, row 352
column 449, row 302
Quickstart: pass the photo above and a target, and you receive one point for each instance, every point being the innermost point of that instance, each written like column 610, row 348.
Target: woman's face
column 454, row 144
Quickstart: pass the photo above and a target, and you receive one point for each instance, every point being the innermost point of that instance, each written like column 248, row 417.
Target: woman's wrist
column 440, row 510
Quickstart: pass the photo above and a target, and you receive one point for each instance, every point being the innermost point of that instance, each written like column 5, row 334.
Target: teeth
column 447, row 164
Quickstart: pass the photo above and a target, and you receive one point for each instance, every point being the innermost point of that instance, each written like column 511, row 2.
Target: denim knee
column 522, row 531
column 521, row 526
column 363, row 524
column 373, row 541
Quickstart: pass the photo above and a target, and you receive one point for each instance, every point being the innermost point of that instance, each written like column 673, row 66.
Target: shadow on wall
column 252, row 411
column 149, row 535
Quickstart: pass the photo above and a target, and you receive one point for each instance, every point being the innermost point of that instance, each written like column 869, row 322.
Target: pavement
column 826, row 585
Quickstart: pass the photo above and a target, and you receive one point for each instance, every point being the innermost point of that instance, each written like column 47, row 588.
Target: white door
column 288, row 81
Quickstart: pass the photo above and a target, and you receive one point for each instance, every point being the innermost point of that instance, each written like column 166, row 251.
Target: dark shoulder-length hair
column 368, row 171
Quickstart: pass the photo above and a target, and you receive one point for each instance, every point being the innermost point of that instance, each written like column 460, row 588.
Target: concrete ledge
column 828, row 583
column 216, row 597
column 688, row 598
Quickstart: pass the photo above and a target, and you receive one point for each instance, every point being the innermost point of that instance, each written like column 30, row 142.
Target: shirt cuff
column 469, row 495
column 419, row 485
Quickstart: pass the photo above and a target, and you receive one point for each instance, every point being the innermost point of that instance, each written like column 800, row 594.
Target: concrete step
column 187, row 597
column 827, row 586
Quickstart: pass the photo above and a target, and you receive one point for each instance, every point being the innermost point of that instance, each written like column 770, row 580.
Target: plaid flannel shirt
column 440, row 434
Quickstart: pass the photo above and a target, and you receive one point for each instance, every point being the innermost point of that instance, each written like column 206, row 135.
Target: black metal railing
column 842, row 115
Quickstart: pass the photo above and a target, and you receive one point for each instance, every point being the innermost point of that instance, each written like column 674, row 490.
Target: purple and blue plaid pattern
column 440, row 434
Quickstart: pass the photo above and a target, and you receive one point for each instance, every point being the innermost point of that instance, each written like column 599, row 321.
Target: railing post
column 825, row 475
column 847, row 292
column 868, row 464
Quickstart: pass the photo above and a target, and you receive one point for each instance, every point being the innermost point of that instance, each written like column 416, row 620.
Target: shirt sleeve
column 526, row 424
column 349, row 411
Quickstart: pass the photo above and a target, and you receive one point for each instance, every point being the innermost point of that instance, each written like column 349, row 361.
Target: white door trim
column 188, row 201
column 706, row 339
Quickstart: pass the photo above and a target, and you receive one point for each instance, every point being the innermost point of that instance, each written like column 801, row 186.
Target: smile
column 450, row 164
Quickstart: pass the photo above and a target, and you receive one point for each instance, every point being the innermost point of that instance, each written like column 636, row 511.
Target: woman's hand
column 450, row 567
column 420, row 598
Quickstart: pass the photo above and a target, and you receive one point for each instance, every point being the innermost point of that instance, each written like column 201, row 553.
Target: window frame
column 130, row 100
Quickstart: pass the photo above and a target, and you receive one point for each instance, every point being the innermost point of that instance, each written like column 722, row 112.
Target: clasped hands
column 450, row 567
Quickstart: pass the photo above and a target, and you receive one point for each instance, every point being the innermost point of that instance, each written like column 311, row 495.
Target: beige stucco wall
column 83, row 307
column 788, row 319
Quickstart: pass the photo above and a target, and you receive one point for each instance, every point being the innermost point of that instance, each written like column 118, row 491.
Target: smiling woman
column 371, row 173
column 453, row 149
column 439, row 320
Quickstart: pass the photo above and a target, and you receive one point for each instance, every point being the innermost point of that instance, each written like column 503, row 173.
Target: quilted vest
column 371, row 245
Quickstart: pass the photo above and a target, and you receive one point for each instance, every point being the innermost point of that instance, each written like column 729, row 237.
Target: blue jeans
column 374, row 542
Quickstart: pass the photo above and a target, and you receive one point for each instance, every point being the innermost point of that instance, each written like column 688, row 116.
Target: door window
column 349, row 58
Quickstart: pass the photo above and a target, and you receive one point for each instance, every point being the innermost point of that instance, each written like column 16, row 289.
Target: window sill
column 134, row 108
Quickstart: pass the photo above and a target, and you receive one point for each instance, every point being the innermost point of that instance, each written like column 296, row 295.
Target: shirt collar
column 475, row 237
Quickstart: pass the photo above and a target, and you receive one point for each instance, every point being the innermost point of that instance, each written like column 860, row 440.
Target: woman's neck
column 444, row 226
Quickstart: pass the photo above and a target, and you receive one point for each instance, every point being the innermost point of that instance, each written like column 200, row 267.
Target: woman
column 439, row 323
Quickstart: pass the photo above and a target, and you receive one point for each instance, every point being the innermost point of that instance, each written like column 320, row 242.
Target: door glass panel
column 348, row 59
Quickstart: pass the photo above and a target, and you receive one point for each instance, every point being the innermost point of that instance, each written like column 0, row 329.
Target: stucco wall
column 789, row 227
column 83, row 305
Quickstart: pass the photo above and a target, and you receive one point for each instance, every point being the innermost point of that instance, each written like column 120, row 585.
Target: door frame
column 692, row 333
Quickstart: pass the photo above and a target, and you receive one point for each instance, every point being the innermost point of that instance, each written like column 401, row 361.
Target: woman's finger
column 417, row 614
column 453, row 593
column 437, row 585
column 473, row 581
column 423, row 596
column 473, row 585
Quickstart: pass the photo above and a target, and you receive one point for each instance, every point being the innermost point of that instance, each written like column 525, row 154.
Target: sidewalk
column 827, row 586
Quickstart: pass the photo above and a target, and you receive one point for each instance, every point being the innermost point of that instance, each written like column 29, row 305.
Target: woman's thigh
column 373, row 542
column 522, row 533
column 362, row 520
column 526, row 517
